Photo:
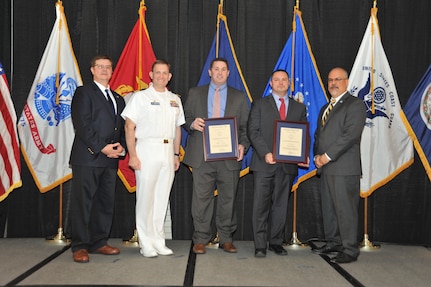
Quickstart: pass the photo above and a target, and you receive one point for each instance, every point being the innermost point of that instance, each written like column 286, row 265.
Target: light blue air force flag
column 306, row 82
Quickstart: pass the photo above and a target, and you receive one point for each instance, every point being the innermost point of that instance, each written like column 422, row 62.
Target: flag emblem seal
column 45, row 99
column 367, row 97
column 425, row 111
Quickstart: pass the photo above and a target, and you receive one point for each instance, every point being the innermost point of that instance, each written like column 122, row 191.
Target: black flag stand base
column 367, row 245
column 295, row 242
column 133, row 240
column 59, row 239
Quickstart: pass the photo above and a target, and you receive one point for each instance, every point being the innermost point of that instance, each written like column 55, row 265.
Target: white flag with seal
column 45, row 127
column 386, row 148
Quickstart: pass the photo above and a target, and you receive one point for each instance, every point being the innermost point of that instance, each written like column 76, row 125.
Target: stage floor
column 38, row 262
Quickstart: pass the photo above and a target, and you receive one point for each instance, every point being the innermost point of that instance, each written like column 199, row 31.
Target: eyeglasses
column 336, row 80
column 101, row 67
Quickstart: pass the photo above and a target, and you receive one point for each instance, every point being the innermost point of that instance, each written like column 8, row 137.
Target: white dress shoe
column 163, row 250
column 148, row 253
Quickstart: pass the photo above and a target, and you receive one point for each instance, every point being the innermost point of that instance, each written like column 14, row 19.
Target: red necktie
column 216, row 104
column 282, row 110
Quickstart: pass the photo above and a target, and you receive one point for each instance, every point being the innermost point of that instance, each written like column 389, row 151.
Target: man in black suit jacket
column 272, row 181
column 338, row 159
column 98, row 144
column 224, row 174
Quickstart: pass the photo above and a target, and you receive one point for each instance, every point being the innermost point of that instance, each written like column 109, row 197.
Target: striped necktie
column 328, row 110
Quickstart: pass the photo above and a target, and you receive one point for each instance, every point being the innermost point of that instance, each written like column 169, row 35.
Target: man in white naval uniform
column 153, row 134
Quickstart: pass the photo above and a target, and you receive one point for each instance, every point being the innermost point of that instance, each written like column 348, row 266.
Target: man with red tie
column 272, row 180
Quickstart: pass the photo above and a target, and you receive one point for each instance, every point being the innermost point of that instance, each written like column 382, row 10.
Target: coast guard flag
column 132, row 74
column 222, row 47
column 10, row 175
column 45, row 126
column 306, row 85
column 386, row 148
column 418, row 119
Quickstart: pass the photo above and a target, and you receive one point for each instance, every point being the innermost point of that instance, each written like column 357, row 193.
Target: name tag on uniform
column 155, row 103
column 174, row 104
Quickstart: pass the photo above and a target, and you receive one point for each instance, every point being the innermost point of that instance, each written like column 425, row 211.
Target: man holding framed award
column 216, row 120
column 273, row 179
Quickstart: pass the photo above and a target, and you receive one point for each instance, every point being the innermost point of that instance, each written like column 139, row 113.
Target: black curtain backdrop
column 181, row 32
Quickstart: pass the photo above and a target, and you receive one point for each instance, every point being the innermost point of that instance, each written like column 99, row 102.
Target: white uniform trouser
column 153, row 186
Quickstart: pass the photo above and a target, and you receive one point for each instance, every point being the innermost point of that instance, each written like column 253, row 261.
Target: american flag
column 9, row 149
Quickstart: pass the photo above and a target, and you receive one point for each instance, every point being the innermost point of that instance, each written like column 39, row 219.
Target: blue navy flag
column 222, row 47
column 418, row 119
column 306, row 85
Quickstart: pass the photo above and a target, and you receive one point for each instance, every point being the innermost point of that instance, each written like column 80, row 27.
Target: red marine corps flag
column 132, row 74
column 45, row 127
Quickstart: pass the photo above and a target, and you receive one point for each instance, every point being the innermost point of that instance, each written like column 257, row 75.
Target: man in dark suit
column 272, row 181
column 223, row 174
column 99, row 142
column 338, row 159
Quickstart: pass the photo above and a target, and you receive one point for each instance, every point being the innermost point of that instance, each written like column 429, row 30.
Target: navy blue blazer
column 95, row 126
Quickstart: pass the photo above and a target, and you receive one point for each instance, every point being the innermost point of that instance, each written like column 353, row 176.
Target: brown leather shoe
column 199, row 248
column 81, row 256
column 228, row 247
column 108, row 250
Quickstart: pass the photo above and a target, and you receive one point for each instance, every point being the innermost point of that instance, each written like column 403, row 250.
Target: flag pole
column 59, row 238
column 292, row 68
column 134, row 240
column 215, row 240
column 366, row 244
column 294, row 241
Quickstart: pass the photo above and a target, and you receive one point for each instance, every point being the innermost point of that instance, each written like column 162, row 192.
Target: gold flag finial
column 374, row 3
column 220, row 7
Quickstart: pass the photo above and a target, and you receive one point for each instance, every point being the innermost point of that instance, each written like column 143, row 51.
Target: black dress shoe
column 325, row 249
column 278, row 249
column 343, row 258
column 260, row 252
